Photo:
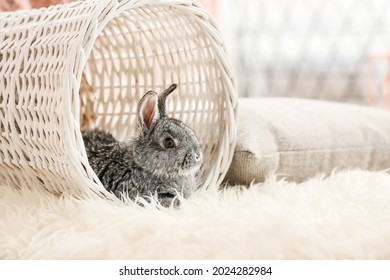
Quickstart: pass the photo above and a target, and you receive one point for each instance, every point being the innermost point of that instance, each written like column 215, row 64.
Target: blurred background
column 336, row 50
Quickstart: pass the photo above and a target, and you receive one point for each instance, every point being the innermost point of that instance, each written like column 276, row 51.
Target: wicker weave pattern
column 86, row 64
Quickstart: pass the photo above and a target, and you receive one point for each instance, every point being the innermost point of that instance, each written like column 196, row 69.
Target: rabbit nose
column 196, row 156
column 191, row 158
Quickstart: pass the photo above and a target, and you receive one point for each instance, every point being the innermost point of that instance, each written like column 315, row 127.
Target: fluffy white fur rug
column 344, row 216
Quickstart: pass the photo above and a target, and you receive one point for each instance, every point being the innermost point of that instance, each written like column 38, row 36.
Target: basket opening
column 149, row 48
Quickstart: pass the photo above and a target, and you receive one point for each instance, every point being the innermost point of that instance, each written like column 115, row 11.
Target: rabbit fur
column 161, row 161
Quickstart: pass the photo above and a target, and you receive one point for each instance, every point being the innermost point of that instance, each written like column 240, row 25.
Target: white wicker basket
column 86, row 64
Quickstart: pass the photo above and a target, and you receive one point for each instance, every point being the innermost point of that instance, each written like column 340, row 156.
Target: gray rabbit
column 161, row 160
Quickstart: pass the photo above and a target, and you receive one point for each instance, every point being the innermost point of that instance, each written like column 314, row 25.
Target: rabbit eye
column 169, row 143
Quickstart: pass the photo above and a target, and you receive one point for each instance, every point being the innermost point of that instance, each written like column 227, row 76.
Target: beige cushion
column 300, row 138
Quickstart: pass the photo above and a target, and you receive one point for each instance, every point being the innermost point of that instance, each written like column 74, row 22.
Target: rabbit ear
column 162, row 98
column 147, row 110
